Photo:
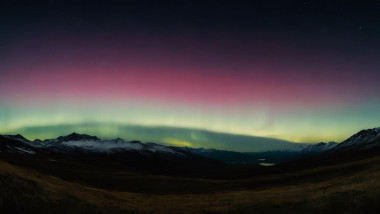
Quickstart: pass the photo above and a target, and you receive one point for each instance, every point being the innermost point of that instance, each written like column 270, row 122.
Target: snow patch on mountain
column 104, row 145
column 25, row 150
column 20, row 149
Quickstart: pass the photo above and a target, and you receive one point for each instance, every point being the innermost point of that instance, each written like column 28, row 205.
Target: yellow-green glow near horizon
column 293, row 125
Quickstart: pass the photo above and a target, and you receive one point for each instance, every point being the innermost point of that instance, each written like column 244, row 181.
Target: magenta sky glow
column 57, row 70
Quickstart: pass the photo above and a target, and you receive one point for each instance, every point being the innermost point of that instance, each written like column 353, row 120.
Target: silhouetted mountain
column 16, row 144
column 17, row 136
column 77, row 137
column 134, row 154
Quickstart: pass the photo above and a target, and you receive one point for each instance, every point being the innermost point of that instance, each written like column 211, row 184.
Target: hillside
column 341, row 188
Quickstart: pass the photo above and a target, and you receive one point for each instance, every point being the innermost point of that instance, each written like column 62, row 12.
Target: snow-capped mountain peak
column 319, row 147
column 365, row 139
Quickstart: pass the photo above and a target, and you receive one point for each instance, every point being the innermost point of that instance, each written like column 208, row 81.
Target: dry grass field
column 352, row 187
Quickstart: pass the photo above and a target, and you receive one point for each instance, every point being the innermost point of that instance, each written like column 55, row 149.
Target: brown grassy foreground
column 352, row 187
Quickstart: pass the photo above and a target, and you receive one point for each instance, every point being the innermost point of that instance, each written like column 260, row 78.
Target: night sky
column 300, row 71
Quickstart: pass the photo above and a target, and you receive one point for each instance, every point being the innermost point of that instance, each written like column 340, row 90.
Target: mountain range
column 149, row 157
column 156, row 156
column 363, row 140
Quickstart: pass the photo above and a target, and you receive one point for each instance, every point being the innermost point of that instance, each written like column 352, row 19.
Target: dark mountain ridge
column 135, row 155
column 153, row 157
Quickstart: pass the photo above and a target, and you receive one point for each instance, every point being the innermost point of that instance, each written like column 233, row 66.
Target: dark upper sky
column 321, row 20
column 345, row 26
column 340, row 27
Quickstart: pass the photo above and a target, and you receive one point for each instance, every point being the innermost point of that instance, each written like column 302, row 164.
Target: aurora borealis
column 300, row 71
